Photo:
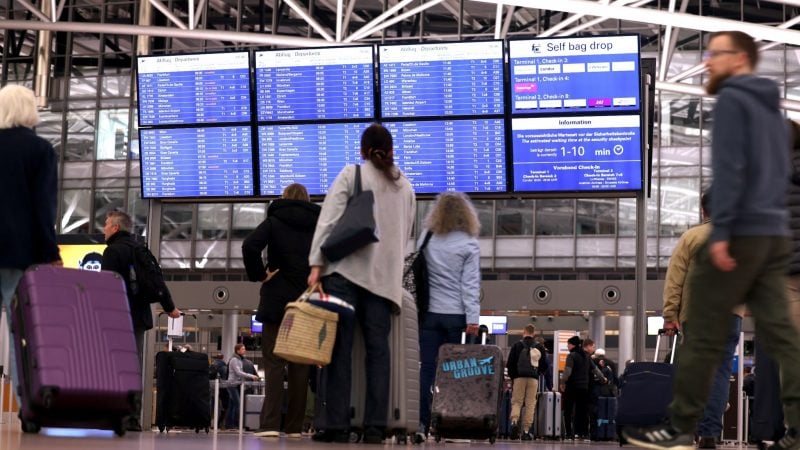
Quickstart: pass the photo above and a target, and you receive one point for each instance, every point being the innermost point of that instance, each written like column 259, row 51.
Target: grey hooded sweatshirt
column 750, row 161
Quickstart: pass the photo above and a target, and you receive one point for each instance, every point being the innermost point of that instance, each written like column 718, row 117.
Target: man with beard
column 745, row 259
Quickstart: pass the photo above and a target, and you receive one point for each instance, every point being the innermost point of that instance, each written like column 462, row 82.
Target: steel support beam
column 653, row 16
column 169, row 14
column 367, row 29
column 136, row 30
column 310, row 20
column 598, row 20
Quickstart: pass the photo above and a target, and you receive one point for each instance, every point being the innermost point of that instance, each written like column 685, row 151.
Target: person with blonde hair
column 454, row 275
column 370, row 279
column 28, row 183
column 286, row 234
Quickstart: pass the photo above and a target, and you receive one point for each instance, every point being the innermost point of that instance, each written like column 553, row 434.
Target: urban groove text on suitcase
column 470, row 367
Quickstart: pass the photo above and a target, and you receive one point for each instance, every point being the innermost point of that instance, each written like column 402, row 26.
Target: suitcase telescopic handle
column 464, row 338
column 663, row 332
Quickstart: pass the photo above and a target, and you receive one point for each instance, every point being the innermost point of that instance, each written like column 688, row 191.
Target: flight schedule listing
column 600, row 153
column 332, row 83
column 311, row 154
column 446, row 79
column 465, row 155
column 194, row 89
column 197, row 162
column 572, row 75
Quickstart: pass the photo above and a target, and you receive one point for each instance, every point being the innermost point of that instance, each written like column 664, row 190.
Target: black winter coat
column 118, row 257
column 28, row 183
column 286, row 234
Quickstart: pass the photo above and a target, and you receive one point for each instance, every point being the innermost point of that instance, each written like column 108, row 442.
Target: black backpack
column 146, row 280
column 415, row 277
column 525, row 365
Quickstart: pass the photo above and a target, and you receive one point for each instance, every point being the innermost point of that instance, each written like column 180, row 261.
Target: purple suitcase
column 76, row 353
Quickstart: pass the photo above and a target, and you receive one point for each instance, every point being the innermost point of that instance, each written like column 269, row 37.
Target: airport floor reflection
column 11, row 438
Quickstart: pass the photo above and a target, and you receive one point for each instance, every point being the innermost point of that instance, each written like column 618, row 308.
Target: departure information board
column 443, row 79
column 596, row 153
column 194, row 89
column 315, row 84
column 466, row 155
column 575, row 75
column 196, row 162
column 311, row 154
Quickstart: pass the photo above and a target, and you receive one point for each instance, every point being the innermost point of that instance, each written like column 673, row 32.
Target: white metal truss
column 658, row 17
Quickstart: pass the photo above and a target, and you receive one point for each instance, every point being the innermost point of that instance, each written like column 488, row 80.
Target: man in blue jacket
column 745, row 259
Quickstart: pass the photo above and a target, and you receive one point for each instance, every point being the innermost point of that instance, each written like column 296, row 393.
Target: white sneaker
column 268, row 434
column 294, row 435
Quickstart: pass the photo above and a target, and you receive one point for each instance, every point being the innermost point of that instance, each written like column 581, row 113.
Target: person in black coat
column 118, row 257
column 286, row 234
column 28, row 187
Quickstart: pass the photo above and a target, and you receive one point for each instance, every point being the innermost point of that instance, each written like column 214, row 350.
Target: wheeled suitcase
column 645, row 391
column 75, row 350
column 467, row 392
column 548, row 415
column 182, row 390
column 253, row 403
column 403, row 414
column 606, row 427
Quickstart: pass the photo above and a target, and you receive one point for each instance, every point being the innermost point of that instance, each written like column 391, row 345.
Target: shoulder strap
column 358, row 180
column 425, row 241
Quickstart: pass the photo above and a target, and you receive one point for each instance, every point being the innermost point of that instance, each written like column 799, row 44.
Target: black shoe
column 789, row 441
column 339, row 436
column 527, row 437
column 660, row 437
column 373, row 435
column 514, row 431
column 707, row 442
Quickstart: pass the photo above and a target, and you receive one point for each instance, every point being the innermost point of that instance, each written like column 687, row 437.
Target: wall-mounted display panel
column 573, row 153
column 194, row 89
column 574, row 75
column 315, row 84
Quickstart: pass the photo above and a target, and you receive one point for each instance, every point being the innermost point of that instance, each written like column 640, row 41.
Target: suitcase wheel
column 492, row 439
column 438, row 438
column 29, row 426
column 120, row 427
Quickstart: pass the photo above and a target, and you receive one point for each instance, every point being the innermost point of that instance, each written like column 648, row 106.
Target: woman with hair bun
column 370, row 279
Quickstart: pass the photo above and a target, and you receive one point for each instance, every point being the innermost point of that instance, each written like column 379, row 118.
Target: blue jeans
column 435, row 330
column 9, row 278
column 232, row 415
column 711, row 423
column 374, row 315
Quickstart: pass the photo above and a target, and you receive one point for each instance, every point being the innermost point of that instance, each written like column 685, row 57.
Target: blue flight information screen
column 196, row 162
column 574, row 75
column 311, row 154
column 194, row 89
column 444, row 79
column 466, row 155
column 568, row 153
column 315, row 84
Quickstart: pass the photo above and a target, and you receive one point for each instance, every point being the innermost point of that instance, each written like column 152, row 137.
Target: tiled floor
column 11, row 438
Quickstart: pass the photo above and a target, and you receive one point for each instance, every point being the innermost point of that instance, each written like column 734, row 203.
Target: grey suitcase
column 252, row 411
column 403, row 415
column 548, row 415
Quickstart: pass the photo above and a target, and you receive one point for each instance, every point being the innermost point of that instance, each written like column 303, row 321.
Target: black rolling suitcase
column 467, row 392
column 183, row 398
column 645, row 392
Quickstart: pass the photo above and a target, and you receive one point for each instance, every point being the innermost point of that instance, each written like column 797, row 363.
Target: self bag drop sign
column 468, row 367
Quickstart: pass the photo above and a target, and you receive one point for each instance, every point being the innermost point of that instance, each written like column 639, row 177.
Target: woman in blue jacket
column 454, row 272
